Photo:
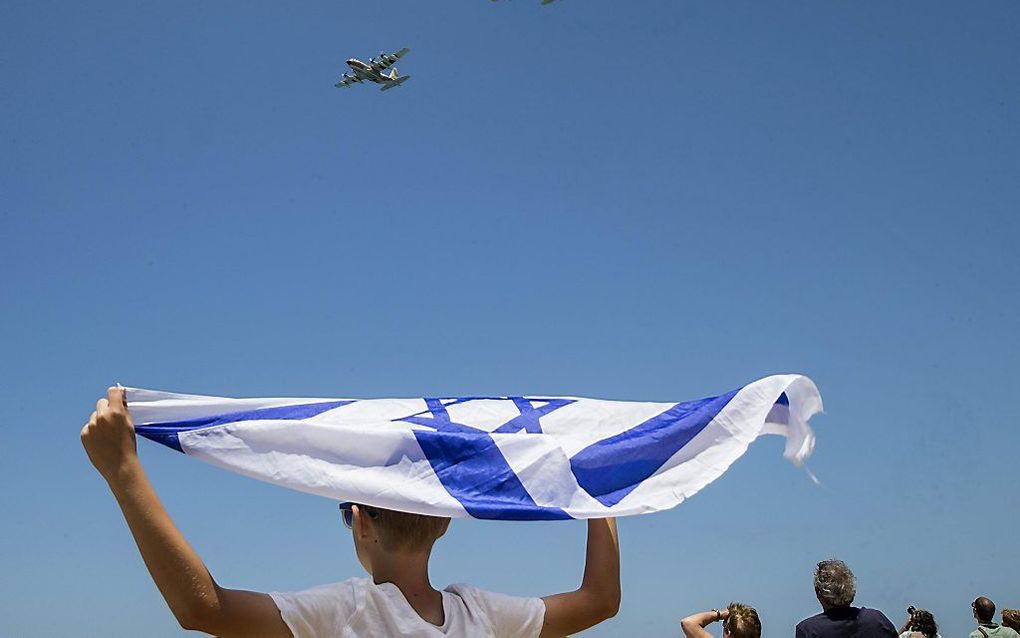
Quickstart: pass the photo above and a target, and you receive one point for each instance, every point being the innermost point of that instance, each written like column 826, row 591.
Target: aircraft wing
column 346, row 80
column 386, row 60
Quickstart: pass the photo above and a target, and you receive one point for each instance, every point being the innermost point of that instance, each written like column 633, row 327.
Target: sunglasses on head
column 347, row 513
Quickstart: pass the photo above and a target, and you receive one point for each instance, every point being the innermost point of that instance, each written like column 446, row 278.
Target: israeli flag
column 508, row 458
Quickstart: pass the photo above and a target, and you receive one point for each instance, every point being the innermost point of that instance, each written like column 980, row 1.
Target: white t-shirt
column 358, row 608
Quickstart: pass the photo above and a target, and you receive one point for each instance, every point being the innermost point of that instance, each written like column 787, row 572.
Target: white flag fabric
column 508, row 458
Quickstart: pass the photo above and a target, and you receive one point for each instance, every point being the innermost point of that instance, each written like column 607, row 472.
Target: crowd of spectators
column 836, row 588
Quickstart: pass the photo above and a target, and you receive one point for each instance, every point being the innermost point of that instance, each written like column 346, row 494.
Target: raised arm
column 598, row 597
column 694, row 625
column 906, row 625
column 193, row 596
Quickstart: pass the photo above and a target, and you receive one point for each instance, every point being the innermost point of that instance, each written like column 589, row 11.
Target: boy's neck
column 410, row 573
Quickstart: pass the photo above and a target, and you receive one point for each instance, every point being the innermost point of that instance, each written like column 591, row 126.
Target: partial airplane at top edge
column 373, row 71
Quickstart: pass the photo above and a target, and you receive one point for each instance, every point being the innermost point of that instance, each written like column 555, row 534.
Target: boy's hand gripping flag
column 510, row 458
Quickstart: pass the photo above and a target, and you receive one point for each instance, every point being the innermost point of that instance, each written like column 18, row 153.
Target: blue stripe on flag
column 474, row 471
column 166, row 433
column 611, row 468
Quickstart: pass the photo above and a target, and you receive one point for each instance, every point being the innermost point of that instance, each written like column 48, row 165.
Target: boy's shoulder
column 482, row 596
column 506, row 615
column 320, row 610
column 344, row 590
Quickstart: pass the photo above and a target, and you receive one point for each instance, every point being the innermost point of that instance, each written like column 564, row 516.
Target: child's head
column 381, row 530
column 742, row 622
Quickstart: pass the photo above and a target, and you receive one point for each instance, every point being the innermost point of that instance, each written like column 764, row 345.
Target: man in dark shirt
column 835, row 588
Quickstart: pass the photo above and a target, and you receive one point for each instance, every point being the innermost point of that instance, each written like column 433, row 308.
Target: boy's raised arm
column 598, row 597
column 193, row 596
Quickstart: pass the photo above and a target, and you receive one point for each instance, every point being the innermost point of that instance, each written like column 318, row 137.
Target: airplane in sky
column 373, row 71
column 543, row 1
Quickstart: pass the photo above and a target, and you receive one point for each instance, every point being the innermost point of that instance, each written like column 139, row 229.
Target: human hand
column 109, row 436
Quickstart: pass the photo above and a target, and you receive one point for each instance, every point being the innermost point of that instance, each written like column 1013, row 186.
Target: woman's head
column 742, row 622
column 922, row 620
column 1011, row 619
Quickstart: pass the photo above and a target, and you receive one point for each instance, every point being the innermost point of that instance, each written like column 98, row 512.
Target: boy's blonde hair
column 400, row 531
column 743, row 621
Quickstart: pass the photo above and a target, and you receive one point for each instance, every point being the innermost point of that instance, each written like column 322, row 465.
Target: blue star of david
column 438, row 418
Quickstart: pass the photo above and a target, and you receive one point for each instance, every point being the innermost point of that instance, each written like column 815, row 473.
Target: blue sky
column 657, row 200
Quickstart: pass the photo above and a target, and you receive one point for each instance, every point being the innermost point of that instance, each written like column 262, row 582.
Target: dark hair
column 922, row 620
column 743, row 621
column 984, row 608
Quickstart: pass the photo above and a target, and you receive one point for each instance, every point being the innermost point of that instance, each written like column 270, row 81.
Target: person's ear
column 445, row 527
column 362, row 523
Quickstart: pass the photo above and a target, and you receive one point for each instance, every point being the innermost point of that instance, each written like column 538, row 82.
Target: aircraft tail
column 395, row 82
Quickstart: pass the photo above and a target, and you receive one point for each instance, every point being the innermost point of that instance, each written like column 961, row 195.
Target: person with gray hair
column 836, row 588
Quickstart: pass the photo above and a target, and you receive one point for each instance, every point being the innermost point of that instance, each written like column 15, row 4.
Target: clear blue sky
column 633, row 200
